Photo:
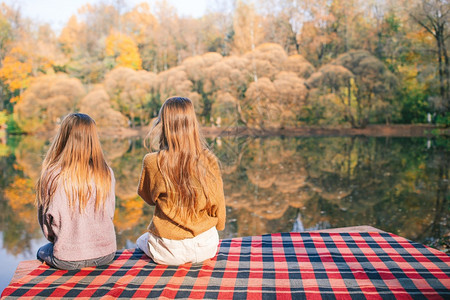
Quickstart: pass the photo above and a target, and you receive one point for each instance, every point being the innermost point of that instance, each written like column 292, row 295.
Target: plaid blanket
column 283, row 266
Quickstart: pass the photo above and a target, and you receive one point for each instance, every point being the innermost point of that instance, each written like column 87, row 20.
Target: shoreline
column 395, row 130
column 400, row 130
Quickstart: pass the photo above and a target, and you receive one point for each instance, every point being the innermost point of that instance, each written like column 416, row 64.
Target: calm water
column 271, row 185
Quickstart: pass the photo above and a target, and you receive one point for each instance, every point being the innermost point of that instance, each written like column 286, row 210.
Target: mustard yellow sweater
column 166, row 223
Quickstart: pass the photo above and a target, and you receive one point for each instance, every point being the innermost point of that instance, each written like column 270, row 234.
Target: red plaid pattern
column 307, row 265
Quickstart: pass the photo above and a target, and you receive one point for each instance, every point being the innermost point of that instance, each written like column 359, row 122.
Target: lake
column 272, row 184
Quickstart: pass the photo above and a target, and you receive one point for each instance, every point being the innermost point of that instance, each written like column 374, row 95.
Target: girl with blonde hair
column 75, row 198
column 182, row 180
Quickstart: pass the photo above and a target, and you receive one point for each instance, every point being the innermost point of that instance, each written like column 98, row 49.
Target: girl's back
column 76, row 199
column 167, row 221
column 80, row 236
column 183, row 180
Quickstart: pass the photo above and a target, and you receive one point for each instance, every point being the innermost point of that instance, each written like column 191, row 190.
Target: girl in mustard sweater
column 182, row 180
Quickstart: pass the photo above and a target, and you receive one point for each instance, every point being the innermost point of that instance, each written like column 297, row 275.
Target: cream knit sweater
column 78, row 236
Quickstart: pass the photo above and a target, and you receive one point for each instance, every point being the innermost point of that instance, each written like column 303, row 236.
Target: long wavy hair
column 183, row 156
column 75, row 160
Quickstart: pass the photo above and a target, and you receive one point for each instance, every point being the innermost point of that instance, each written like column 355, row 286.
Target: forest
column 259, row 64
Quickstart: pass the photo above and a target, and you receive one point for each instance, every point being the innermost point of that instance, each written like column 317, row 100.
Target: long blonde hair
column 183, row 156
column 75, row 160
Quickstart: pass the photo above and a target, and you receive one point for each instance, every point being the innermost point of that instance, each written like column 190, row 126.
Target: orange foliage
column 142, row 24
column 20, row 195
column 16, row 69
column 70, row 35
column 128, row 214
column 248, row 32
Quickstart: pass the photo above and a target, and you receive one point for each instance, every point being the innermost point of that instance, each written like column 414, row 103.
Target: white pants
column 177, row 252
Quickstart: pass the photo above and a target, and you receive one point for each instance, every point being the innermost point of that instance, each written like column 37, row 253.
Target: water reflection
column 271, row 185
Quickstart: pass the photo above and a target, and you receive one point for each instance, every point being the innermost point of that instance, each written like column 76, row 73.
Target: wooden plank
column 364, row 228
column 24, row 268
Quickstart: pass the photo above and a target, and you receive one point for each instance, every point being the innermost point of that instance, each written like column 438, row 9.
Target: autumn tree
column 15, row 73
column 29, row 154
column 291, row 95
column 351, row 24
column 248, row 32
column 123, row 50
column 266, row 60
column 176, row 82
column 167, row 36
column 216, row 31
column 312, row 21
column 33, row 55
column 278, row 24
column 299, row 65
column 133, row 94
column 328, row 100
column 48, row 99
column 433, row 16
column 263, row 111
column 362, row 84
column 98, row 105
column 20, row 196
column 6, row 30
column 83, row 40
column 227, row 81
column 97, row 21
column 27, row 49
column 141, row 24
column 275, row 104
column 195, row 68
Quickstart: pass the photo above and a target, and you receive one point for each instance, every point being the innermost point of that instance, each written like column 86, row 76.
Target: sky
column 58, row 12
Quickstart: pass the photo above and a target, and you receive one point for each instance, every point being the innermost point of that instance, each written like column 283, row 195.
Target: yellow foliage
column 128, row 214
column 124, row 49
column 4, row 150
column 143, row 24
column 15, row 71
column 20, row 195
column 70, row 35
column 248, row 32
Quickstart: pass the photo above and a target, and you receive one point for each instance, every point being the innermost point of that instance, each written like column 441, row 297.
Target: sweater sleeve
column 145, row 183
column 45, row 221
column 220, row 198
column 112, row 195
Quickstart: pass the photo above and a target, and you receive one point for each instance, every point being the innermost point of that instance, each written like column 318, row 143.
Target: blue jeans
column 45, row 253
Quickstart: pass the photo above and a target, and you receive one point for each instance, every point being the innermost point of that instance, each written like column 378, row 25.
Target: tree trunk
column 349, row 105
column 132, row 120
column 441, row 67
column 446, row 99
column 240, row 116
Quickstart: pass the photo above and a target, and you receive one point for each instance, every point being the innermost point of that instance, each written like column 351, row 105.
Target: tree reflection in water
column 271, row 185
